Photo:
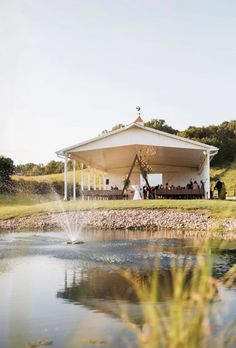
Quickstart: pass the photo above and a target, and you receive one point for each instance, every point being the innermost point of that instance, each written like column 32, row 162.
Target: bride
column 136, row 189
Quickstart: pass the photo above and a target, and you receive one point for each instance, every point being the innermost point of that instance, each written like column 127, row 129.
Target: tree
column 117, row 126
column 161, row 125
column 7, row 169
column 222, row 136
column 114, row 128
column 54, row 167
column 30, row 169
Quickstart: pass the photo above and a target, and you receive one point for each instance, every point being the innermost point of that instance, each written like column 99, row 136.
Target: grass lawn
column 24, row 205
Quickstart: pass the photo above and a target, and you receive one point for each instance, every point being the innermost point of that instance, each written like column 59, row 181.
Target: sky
column 72, row 68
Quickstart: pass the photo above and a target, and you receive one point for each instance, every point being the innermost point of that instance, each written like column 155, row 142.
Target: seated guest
column 202, row 185
column 195, row 185
column 152, row 194
column 167, row 186
column 190, row 185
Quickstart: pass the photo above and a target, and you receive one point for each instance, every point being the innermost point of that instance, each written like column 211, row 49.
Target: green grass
column 228, row 176
column 60, row 177
column 44, row 178
column 24, row 205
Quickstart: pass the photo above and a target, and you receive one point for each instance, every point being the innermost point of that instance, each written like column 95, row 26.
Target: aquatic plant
column 178, row 310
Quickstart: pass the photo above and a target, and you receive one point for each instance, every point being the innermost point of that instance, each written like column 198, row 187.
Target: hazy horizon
column 70, row 69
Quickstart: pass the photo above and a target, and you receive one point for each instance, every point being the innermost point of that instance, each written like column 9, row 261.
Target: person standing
column 145, row 191
column 218, row 187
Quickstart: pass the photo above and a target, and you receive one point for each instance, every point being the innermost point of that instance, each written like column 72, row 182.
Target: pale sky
column 71, row 68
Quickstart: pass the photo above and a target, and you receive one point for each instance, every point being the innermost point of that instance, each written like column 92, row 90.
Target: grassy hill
column 59, row 177
column 46, row 178
column 227, row 175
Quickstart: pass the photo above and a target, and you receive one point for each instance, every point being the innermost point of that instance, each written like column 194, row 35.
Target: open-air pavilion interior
column 127, row 158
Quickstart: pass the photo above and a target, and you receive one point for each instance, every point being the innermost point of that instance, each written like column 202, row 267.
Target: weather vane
column 139, row 110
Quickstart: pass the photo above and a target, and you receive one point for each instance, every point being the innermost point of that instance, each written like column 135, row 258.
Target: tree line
column 33, row 169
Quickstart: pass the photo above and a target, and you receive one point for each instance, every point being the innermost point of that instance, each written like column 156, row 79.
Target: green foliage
column 32, row 169
column 117, row 126
column 7, row 169
column 177, row 310
column 54, row 167
column 227, row 174
column 222, row 136
column 42, row 187
column 114, row 128
column 161, row 125
column 29, row 169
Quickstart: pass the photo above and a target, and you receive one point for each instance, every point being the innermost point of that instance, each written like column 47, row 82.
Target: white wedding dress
column 136, row 192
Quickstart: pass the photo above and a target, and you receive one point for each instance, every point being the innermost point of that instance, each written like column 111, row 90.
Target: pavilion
column 110, row 158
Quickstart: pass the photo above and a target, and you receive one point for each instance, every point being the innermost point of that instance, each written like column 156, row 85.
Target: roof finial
column 139, row 110
column 139, row 119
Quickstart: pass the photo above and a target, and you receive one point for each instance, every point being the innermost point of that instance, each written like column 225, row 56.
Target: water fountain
column 70, row 223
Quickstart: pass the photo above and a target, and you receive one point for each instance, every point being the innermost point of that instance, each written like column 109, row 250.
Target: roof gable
column 136, row 133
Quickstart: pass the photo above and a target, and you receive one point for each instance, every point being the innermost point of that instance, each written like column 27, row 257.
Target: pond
column 76, row 295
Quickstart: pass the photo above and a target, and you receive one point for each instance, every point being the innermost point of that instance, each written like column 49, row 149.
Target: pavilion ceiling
column 115, row 158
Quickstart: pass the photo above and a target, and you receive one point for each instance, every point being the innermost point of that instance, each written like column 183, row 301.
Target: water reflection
column 109, row 291
column 55, row 291
column 111, row 285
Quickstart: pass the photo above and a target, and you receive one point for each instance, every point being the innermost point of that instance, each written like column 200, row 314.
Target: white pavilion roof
column 116, row 150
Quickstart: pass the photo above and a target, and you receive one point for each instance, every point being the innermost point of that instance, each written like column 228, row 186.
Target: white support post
column 94, row 179
column 89, row 178
column 205, row 174
column 65, row 179
column 104, row 182
column 82, row 180
column 207, row 183
column 74, row 180
column 82, row 176
column 99, row 182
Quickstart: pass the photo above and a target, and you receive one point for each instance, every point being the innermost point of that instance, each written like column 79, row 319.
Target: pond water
column 72, row 294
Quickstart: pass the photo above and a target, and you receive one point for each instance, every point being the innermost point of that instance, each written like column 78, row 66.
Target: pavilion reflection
column 109, row 291
column 106, row 290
